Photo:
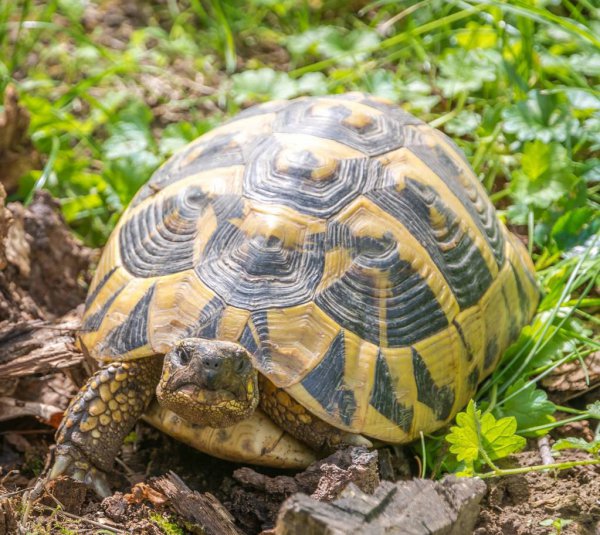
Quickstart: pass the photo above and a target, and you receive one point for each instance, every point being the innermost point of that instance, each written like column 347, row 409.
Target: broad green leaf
column 381, row 83
column 308, row 41
column 466, row 122
column 543, row 116
column 467, row 70
column 350, row 47
column 546, row 177
column 536, row 159
column 475, row 436
column 334, row 42
column 262, row 85
column 313, row 83
column 130, row 132
column 575, row 227
column 530, row 407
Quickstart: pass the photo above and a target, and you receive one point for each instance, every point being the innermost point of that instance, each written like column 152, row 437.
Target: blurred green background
column 115, row 87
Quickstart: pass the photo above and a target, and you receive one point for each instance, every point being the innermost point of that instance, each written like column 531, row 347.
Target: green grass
column 516, row 84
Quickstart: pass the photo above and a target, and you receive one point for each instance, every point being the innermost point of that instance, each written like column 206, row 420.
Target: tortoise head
column 208, row 382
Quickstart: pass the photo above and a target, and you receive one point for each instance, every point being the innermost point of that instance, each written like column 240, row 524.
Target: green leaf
column 576, row 443
column 575, row 227
column 478, row 438
column 466, row 122
column 350, row 47
column 313, row 83
column 530, row 407
column 546, row 177
column 381, row 83
column 261, row 85
column 536, row 159
column 130, row 132
column 543, row 116
column 308, row 41
column 467, row 70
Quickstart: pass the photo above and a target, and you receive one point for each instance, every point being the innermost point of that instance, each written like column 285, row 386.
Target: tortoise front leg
column 100, row 416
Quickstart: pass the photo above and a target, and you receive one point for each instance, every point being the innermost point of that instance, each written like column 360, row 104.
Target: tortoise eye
column 241, row 363
column 184, row 356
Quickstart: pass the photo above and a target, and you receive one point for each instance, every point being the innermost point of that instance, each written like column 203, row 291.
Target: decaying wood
column 573, row 379
column 256, row 500
column 43, row 274
column 416, row 507
column 202, row 513
column 17, row 155
column 36, row 346
column 43, row 268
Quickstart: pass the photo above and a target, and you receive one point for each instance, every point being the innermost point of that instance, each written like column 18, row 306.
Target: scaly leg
column 100, row 416
column 294, row 418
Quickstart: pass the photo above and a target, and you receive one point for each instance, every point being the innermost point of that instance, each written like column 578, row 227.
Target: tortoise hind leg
column 100, row 416
column 295, row 419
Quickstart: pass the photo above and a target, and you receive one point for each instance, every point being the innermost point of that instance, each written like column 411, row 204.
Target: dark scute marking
column 411, row 310
column 260, row 321
column 220, row 151
column 347, row 406
column 491, row 352
column 247, row 340
column 514, row 328
column 294, row 186
column 133, row 332
column 473, row 379
column 466, row 344
column 479, row 208
column 94, row 293
column 325, row 382
column 93, row 321
column 384, row 398
column 227, row 206
column 523, row 298
column 249, row 271
column 439, row 400
column 210, row 317
column 159, row 239
column 383, row 134
column 451, row 249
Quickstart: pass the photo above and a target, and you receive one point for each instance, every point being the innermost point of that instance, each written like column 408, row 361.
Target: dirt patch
column 519, row 504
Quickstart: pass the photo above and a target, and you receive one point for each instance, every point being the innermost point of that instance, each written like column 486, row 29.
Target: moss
column 168, row 526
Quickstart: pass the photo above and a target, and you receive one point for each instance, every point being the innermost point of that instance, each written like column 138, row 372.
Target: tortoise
column 315, row 272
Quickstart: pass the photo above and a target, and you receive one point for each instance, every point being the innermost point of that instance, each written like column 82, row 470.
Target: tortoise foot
column 70, row 461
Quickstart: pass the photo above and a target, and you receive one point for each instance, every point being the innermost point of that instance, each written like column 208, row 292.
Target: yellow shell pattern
column 346, row 244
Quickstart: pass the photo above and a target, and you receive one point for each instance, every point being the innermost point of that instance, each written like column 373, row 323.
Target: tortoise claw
column 354, row 439
column 71, row 462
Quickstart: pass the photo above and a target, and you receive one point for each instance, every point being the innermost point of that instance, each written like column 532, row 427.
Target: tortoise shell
column 345, row 243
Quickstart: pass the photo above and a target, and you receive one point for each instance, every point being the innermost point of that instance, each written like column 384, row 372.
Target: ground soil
column 516, row 505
